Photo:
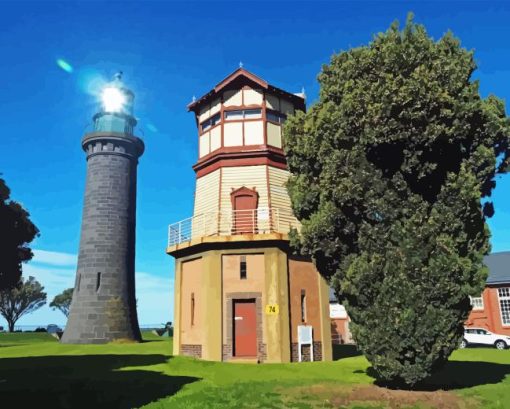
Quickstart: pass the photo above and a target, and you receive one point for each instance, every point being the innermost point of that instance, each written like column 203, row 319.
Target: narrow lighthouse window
column 192, row 309
column 242, row 268
column 303, row 306
column 98, row 281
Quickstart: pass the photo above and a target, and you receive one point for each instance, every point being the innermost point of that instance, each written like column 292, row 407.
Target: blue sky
column 170, row 51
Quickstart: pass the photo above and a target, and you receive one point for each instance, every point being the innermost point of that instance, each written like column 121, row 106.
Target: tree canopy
column 392, row 172
column 62, row 301
column 16, row 231
column 23, row 299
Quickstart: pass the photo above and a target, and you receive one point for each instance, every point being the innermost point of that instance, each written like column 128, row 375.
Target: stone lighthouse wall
column 104, row 306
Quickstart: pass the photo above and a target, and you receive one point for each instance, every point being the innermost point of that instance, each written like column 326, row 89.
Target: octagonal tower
column 240, row 293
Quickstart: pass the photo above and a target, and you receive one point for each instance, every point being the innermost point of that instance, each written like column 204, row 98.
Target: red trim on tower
column 229, row 157
column 241, row 74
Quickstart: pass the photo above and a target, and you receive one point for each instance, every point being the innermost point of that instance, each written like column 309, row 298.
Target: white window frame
column 476, row 303
column 242, row 114
column 504, row 298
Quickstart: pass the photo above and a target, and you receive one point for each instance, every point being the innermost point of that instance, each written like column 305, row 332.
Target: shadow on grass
column 456, row 375
column 344, row 351
column 88, row 381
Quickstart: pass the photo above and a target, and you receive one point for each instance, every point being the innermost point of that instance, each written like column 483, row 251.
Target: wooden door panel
column 245, row 214
column 245, row 328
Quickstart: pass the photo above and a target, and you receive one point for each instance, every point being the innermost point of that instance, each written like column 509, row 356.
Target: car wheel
column 463, row 344
column 500, row 344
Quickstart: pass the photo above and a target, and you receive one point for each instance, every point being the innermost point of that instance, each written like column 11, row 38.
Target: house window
column 242, row 268
column 504, row 304
column 303, row 306
column 476, row 303
column 276, row 117
column 192, row 309
column 210, row 122
column 243, row 114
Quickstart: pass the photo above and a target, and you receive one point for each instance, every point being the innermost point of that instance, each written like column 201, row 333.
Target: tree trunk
column 11, row 326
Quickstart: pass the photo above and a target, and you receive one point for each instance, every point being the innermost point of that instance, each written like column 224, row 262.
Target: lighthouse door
column 245, row 328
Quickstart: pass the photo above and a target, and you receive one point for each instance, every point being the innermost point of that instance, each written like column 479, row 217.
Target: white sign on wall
column 337, row 311
column 263, row 213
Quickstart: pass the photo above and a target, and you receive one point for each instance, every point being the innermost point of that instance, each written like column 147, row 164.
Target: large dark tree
column 16, row 231
column 24, row 298
column 62, row 301
column 390, row 169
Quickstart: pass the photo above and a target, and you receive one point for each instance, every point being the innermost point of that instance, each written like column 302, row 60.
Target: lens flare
column 113, row 99
column 151, row 127
column 65, row 65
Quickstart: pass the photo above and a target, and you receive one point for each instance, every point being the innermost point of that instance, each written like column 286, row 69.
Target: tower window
column 210, row 122
column 192, row 309
column 243, row 114
column 303, row 306
column 242, row 268
column 98, row 281
column 276, row 117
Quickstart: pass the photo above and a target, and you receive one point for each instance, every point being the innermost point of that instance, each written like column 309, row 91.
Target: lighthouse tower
column 103, row 307
column 240, row 294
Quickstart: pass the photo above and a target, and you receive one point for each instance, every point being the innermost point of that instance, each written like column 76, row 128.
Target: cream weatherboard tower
column 239, row 293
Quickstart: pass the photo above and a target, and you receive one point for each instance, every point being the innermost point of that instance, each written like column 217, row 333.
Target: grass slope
column 36, row 370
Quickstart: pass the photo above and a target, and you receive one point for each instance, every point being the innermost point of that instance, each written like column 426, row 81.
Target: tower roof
column 242, row 75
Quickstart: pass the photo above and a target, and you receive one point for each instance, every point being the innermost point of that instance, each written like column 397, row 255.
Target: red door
column 245, row 328
column 244, row 204
column 245, row 214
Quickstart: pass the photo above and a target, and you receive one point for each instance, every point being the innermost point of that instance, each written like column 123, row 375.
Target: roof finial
column 303, row 90
column 240, row 64
column 118, row 75
column 193, row 99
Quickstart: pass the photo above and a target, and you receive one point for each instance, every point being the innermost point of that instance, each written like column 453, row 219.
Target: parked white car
column 480, row 336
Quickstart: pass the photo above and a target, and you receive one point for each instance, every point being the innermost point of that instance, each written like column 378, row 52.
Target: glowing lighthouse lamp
column 116, row 113
column 113, row 99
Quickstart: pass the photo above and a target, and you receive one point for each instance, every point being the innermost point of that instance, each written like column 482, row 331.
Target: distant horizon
column 141, row 326
column 56, row 53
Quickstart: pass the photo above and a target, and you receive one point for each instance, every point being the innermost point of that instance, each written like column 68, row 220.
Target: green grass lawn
column 36, row 370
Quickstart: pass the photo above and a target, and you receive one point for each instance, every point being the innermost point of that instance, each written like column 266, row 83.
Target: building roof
column 499, row 267
column 499, row 271
column 244, row 75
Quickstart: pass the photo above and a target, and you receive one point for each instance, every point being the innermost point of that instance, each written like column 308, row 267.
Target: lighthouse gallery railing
column 231, row 222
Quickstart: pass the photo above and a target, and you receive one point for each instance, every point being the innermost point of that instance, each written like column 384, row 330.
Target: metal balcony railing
column 231, row 222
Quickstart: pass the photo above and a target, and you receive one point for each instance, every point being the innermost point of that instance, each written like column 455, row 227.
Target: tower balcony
column 231, row 225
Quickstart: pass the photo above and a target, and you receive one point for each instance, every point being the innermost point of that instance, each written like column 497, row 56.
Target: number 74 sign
column 272, row 309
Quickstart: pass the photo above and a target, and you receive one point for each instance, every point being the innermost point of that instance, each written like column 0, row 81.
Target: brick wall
column 191, row 350
column 490, row 316
column 305, row 352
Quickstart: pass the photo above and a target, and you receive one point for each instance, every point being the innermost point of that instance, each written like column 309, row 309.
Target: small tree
column 389, row 169
column 23, row 299
column 16, row 231
column 62, row 301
